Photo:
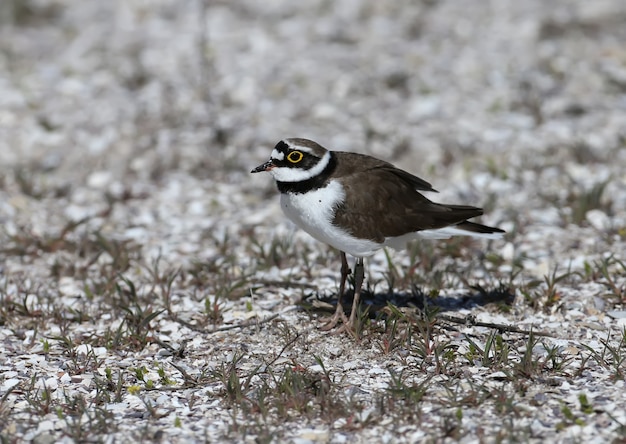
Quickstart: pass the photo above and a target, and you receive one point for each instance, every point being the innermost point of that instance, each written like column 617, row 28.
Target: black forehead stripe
column 282, row 146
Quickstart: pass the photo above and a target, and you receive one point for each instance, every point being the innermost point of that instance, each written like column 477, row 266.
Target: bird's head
column 295, row 160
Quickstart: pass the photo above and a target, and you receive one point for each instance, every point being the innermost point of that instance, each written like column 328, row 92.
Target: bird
column 359, row 204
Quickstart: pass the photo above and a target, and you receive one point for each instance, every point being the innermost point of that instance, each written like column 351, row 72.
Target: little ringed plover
column 359, row 204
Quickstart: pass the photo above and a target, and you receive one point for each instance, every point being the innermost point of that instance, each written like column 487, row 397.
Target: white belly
column 313, row 212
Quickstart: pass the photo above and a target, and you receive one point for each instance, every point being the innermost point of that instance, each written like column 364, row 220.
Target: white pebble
column 598, row 219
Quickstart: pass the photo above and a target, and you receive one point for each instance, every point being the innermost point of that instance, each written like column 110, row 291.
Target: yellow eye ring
column 295, row 156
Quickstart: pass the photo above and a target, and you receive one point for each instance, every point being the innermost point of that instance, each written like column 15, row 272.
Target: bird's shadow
column 417, row 297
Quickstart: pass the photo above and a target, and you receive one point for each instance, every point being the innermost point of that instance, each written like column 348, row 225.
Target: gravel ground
column 151, row 289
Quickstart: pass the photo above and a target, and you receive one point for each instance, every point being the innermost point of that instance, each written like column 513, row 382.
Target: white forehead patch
column 277, row 155
column 305, row 149
column 295, row 146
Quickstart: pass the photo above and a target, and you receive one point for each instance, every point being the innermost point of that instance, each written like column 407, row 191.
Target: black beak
column 265, row 167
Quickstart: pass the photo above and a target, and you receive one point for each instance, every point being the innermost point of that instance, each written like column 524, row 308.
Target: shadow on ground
column 375, row 302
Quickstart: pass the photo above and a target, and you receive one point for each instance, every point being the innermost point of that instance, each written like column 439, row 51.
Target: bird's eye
column 295, row 156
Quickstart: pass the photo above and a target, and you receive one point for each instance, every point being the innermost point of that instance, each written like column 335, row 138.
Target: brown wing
column 354, row 163
column 382, row 201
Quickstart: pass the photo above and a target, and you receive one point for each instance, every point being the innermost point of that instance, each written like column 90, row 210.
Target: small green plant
column 424, row 341
column 606, row 271
column 134, row 389
column 548, row 295
column 611, row 356
column 411, row 394
column 555, row 358
column 140, row 373
column 137, row 318
column 107, row 386
column 582, row 201
column 214, row 309
column 528, row 366
column 585, row 405
column 570, row 418
column 272, row 253
column 403, row 398
column 397, row 330
column 495, row 353
column 236, row 388
column 163, row 378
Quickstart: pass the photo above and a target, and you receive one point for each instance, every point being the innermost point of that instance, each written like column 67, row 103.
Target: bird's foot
column 334, row 320
column 339, row 323
column 346, row 327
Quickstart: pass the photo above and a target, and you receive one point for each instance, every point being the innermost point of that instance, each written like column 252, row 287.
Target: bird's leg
column 339, row 314
column 345, row 271
column 359, row 275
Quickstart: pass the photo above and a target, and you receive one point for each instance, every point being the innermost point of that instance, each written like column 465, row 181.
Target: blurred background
column 517, row 106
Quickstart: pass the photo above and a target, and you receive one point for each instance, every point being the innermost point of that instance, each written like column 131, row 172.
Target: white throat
column 294, row 174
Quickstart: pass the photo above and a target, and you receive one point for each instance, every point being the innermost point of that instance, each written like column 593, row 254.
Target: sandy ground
column 127, row 133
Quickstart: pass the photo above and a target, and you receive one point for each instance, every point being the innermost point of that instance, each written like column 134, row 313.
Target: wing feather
column 382, row 201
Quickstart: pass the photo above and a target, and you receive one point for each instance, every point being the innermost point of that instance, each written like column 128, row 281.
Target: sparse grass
column 264, row 391
column 612, row 356
column 83, row 416
column 582, row 201
column 128, row 305
column 285, row 391
column 137, row 317
column 575, row 417
column 397, row 331
column 272, row 253
column 608, row 271
column 404, row 398
column 547, row 295
column 494, row 354
column 222, row 277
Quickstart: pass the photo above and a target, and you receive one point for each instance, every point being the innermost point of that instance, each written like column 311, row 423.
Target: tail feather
column 453, row 222
column 464, row 228
column 473, row 227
